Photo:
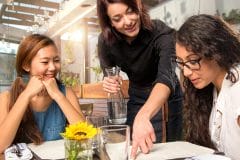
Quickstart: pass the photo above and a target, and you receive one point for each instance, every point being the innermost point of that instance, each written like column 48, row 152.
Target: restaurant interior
column 74, row 27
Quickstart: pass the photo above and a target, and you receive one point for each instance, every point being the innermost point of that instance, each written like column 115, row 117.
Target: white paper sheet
column 171, row 150
column 49, row 149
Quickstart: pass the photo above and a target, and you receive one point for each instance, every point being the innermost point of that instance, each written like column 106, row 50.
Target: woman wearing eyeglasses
column 208, row 53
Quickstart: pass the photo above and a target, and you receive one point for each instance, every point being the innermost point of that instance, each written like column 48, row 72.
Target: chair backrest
column 92, row 97
column 95, row 90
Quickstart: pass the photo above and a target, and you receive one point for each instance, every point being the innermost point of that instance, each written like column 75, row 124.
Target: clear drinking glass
column 115, row 140
column 97, row 121
column 117, row 108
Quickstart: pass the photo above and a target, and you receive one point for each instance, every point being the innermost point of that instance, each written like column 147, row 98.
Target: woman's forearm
column 12, row 119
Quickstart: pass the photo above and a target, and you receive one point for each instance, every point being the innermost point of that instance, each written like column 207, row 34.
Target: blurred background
column 73, row 24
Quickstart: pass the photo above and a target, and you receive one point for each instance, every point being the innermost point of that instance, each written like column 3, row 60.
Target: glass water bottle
column 117, row 108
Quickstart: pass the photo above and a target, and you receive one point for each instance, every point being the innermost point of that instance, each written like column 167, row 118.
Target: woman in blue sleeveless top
column 37, row 107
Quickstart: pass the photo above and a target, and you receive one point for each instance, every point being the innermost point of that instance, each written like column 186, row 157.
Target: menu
column 174, row 150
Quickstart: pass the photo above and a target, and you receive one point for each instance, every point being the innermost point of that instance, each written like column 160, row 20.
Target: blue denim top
column 52, row 121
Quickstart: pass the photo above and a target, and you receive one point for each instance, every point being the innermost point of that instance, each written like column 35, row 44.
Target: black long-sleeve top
column 147, row 60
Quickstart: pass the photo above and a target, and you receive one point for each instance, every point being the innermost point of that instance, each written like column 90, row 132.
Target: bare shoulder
column 4, row 96
column 4, row 103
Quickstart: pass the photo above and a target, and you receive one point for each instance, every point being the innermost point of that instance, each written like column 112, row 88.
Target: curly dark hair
column 109, row 33
column 211, row 38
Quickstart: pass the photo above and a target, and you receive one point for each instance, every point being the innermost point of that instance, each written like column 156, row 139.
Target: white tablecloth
column 160, row 151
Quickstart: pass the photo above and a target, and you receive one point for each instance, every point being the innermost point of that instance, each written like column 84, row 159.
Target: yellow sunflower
column 79, row 131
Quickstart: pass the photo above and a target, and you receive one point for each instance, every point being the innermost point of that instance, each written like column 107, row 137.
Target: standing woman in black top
column 142, row 48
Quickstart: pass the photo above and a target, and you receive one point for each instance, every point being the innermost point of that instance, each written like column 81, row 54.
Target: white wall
column 93, row 55
column 94, row 61
column 72, row 55
column 225, row 6
column 175, row 12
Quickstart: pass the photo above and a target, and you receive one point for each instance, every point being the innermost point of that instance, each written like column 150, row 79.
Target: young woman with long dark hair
column 208, row 53
column 38, row 106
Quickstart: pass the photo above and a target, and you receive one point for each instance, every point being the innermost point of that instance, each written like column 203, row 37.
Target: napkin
column 49, row 149
column 18, row 151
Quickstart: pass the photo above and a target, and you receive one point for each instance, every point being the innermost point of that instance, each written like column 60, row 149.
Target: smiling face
column 124, row 20
column 46, row 63
column 209, row 71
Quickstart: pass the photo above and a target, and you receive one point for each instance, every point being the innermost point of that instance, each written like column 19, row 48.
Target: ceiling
column 19, row 18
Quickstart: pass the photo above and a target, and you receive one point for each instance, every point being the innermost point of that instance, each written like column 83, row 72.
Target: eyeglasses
column 191, row 64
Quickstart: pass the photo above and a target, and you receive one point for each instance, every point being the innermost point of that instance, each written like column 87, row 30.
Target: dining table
column 161, row 151
column 178, row 150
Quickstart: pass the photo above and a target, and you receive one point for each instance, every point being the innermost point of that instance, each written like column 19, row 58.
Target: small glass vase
column 78, row 149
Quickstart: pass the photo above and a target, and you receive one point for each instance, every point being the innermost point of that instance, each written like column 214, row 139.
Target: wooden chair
column 92, row 94
column 164, row 121
column 94, row 90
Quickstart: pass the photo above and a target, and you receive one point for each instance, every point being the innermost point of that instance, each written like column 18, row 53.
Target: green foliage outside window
column 233, row 17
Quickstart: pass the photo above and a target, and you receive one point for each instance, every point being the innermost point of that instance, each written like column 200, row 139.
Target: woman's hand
column 143, row 135
column 52, row 88
column 112, row 84
column 34, row 86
